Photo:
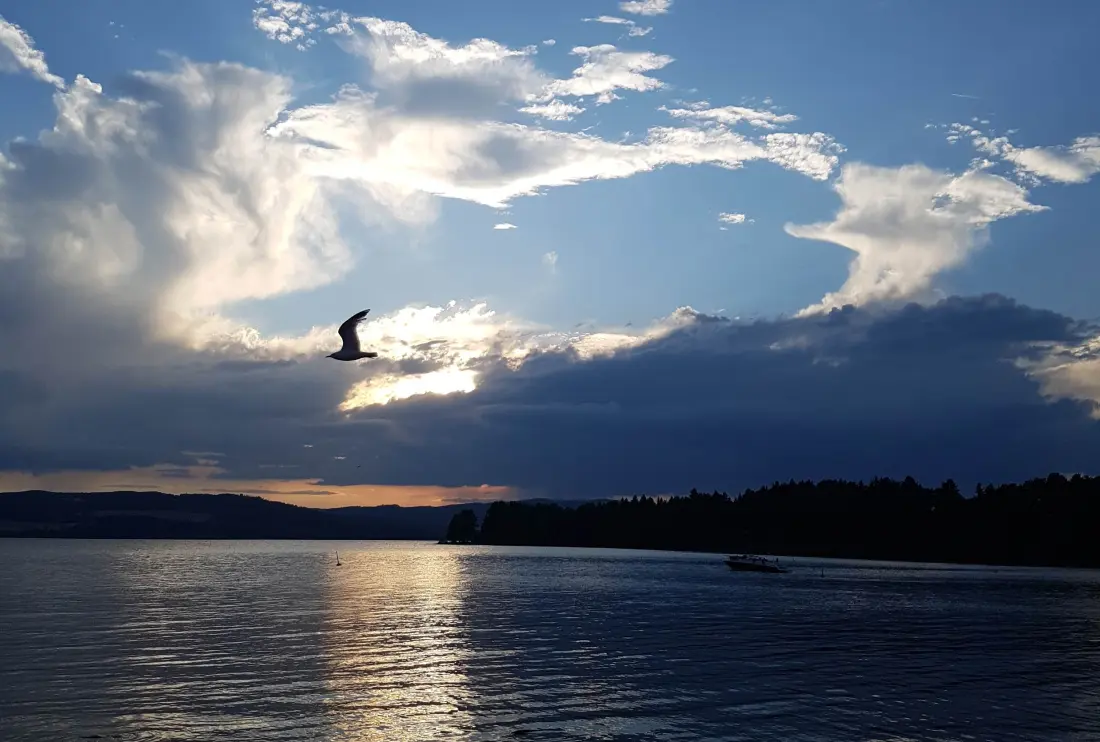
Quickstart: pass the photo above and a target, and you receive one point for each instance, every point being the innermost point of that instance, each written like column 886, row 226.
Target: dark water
column 271, row 641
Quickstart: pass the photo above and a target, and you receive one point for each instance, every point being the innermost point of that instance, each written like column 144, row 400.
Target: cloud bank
column 134, row 226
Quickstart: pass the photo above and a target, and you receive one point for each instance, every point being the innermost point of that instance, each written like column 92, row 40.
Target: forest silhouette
column 1044, row 522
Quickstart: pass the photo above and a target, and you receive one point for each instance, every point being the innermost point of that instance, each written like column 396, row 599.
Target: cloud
column 909, row 224
column 550, row 260
column 645, row 7
column 138, row 221
column 607, row 69
column 633, row 28
column 555, row 110
column 172, row 192
column 426, row 75
column 440, row 98
column 430, row 127
column 202, row 186
column 191, row 195
column 287, row 22
column 504, row 225
column 18, row 54
column 704, row 401
column 732, row 115
column 549, row 42
column 813, row 154
column 732, row 218
column 1075, row 163
column 491, row 163
column 923, row 390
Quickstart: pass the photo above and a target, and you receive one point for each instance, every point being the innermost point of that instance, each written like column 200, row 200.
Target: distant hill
column 226, row 516
column 41, row 514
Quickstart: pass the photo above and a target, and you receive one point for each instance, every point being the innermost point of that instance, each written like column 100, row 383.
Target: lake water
column 208, row 641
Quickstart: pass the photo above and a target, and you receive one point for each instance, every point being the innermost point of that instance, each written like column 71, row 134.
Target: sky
column 609, row 248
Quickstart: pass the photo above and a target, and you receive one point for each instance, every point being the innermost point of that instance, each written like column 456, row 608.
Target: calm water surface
column 208, row 641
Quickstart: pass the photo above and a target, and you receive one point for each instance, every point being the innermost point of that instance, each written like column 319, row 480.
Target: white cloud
column 555, row 110
column 907, row 225
column 732, row 218
column 176, row 193
column 732, row 115
column 504, row 225
column 549, row 42
column 203, row 186
column 1076, row 163
column 18, row 54
column 607, row 69
column 429, row 74
column 609, row 19
column 153, row 214
column 814, row 154
column 633, row 29
column 439, row 99
column 404, row 156
column 645, row 7
column 399, row 53
column 550, row 260
column 287, row 22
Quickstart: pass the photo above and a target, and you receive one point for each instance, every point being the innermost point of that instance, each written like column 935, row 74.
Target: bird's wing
column 347, row 330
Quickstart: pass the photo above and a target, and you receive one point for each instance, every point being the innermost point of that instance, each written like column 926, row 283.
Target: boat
column 753, row 563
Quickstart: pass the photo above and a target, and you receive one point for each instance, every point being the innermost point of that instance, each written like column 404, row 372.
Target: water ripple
column 189, row 641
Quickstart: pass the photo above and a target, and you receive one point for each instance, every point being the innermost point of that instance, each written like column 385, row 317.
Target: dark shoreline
column 1053, row 522
column 1049, row 522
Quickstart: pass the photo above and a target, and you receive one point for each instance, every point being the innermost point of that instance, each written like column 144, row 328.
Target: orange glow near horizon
column 311, row 493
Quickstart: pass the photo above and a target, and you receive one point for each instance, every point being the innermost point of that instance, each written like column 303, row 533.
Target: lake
column 268, row 640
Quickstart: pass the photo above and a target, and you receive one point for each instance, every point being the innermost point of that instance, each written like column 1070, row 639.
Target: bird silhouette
column 351, row 351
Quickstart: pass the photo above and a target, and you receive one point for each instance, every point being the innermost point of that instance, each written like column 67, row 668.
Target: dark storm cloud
column 928, row 391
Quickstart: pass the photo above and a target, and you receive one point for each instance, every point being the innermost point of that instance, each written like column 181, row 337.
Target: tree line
column 1052, row 521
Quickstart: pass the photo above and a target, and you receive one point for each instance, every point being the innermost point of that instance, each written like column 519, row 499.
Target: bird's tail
column 370, row 355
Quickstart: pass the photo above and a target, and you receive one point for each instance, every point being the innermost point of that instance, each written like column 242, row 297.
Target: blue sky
column 881, row 152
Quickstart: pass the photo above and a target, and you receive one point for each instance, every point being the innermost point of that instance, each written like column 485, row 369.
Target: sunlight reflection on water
column 208, row 641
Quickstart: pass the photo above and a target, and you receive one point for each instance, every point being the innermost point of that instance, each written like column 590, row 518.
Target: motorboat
column 753, row 563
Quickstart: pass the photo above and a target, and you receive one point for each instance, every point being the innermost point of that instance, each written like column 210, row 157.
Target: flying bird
column 350, row 350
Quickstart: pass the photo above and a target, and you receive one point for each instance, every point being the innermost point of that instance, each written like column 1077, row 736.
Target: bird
column 350, row 351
